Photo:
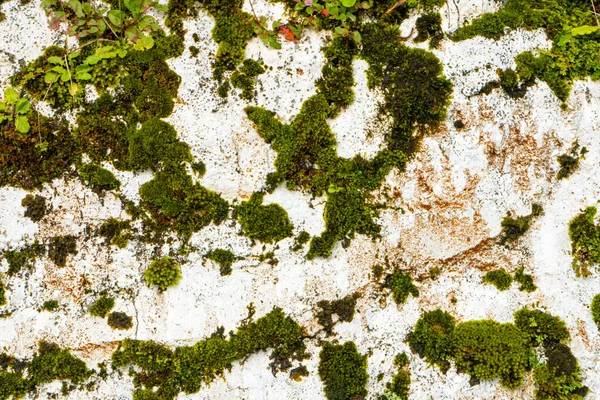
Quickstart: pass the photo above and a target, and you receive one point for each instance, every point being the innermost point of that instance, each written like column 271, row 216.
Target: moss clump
column 343, row 308
column 585, row 241
column 245, row 78
column 187, row 368
column 156, row 143
column 98, row 179
column 300, row 240
column 488, row 349
column 119, row 320
column 116, row 232
column 12, row 383
column 540, row 326
column 50, row 305
column 23, row 259
column 2, row 294
column 416, row 93
column 267, row 224
column 400, row 384
column 343, row 371
column 595, row 308
column 509, row 82
column 430, row 26
column 102, row 306
column 433, row 338
column 174, row 200
column 573, row 54
column 60, row 247
column 569, row 162
column 525, row 281
column 560, row 376
column 224, row 258
column 194, row 51
column 164, row 273
column 499, row 278
column 298, row 373
column 53, row 363
column 514, row 228
column 35, row 207
column 402, row 285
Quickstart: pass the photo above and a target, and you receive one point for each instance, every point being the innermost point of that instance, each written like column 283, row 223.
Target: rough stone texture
column 448, row 205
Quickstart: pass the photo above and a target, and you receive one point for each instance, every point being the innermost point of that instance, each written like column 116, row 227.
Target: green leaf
column 73, row 89
column 356, row 37
column 10, row 96
column 274, row 43
column 50, row 77
column 83, row 76
column 116, row 17
column 92, row 60
column 121, row 53
column 144, row 43
column 2, row 106
column 161, row 7
column 77, row 7
column 22, row 106
column 73, row 55
column 4, row 117
column 22, row 124
column 56, row 60
column 584, row 30
column 348, row 3
column 65, row 76
column 58, row 69
column 83, row 68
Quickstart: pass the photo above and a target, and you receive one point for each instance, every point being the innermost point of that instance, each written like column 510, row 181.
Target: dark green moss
column 12, row 384
column 188, row 368
column 2, row 294
column 343, row 371
column 119, row 320
column 267, row 224
column 595, row 309
column 164, row 272
column 194, row 51
column 499, row 278
column 53, row 363
column 569, row 162
column 402, row 285
column 60, row 247
column 245, row 78
column 343, row 308
column 540, row 326
column 488, row 349
column 525, row 281
column 116, row 232
column 400, row 384
column 23, row 259
column 298, row 373
column 35, row 207
column 433, row 338
column 102, row 306
column 510, row 83
column 429, row 26
column 514, row 228
column 585, row 241
column 224, row 258
column 98, row 179
column 560, row 376
column 434, row 273
column 50, row 305
column 300, row 240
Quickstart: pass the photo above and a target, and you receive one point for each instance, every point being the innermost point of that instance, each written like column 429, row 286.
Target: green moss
column 433, row 338
column 400, row 384
column 402, row 285
column 60, row 247
column 194, row 51
column 343, row 371
column 509, row 82
column 35, row 207
column 525, row 281
column 245, row 78
column 298, row 373
column 50, row 305
column 343, row 308
column 174, row 200
column 585, row 241
column 23, row 259
column 102, row 306
column 560, row 376
column 53, row 363
column 488, row 349
column 119, row 320
column 164, row 273
column 429, row 26
column 12, row 384
column 116, row 232
column 224, row 258
column 267, row 224
column 98, row 179
column 514, row 228
column 188, row 368
column 569, row 162
column 595, row 309
column 571, row 56
column 540, row 326
column 2, row 294
column 499, row 278
column 416, row 94
column 300, row 240
column 434, row 273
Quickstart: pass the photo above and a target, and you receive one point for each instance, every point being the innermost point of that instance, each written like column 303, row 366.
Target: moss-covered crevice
column 164, row 373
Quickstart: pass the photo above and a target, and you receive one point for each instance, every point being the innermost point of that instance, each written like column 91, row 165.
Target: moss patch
column 164, row 273
column 224, row 258
column 499, row 278
column 98, row 179
column 119, row 320
column 35, row 207
column 514, row 228
column 342, row 308
column 402, row 285
column 102, row 306
column 60, row 248
column 595, row 309
column 343, row 371
column 267, row 224
column 585, row 241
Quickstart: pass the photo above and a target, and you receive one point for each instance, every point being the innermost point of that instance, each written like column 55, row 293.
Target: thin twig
column 595, row 13
column 392, row 8
column 255, row 17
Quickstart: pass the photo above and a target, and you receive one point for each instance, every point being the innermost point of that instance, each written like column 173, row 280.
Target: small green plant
column 98, row 179
column 300, row 240
column 499, row 278
column 14, row 110
column 402, row 285
column 50, row 305
column 116, row 232
column 24, row 258
column 224, row 258
column 102, row 306
column 119, row 320
column 164, row 273
column 585, row 241
column 343, row 371
column 595, row 308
